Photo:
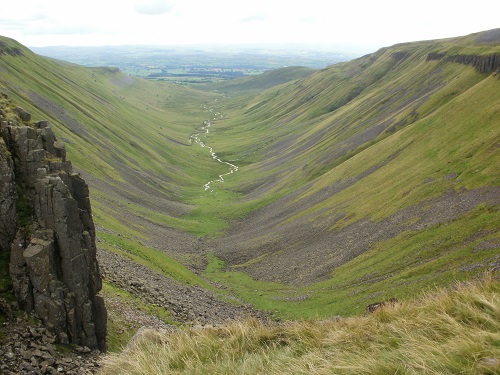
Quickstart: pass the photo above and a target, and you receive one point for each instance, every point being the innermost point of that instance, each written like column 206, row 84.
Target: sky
column 366, row 24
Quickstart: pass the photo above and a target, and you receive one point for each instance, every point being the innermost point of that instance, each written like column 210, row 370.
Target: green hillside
column 369, row 179
column 374, row 177
column 130, row 140
column 260, row 82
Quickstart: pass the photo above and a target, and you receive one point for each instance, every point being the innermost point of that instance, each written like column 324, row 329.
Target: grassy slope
column 130, row 140
column 305, row 126
column 116, row 125
column 260, row 82
column 403, row 130
column 444, row 332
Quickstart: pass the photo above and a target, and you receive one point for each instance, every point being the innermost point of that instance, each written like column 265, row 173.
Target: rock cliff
column 482, row 63
column 46, row 225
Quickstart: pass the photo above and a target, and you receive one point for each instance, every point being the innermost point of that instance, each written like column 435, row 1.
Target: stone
column 26, row 354
column 26, row 366
column 60, row 150
column 5, row 309
column 43, row 366
column 25, row 116
column 48, row 139
column 490, row 361
column 46, row 225
column 8, row 213
column 377, row 305
column 41, row 124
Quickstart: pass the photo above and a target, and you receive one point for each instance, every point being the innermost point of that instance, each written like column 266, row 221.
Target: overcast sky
column 363, row 23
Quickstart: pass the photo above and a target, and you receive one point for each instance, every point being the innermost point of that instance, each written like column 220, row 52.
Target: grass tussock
column 453, row 331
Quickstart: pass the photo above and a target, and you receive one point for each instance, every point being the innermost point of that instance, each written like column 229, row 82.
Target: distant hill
column 262, row 81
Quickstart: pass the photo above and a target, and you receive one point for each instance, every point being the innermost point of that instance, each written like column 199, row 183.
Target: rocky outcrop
column 46, row 225
column 5, row 49
column 435, row 56
column 482, row 63
column 8, row 215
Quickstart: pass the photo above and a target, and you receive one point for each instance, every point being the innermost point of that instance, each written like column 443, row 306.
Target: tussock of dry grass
column 447, row 332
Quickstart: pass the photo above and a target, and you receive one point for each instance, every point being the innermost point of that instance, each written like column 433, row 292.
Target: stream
column 196, row 138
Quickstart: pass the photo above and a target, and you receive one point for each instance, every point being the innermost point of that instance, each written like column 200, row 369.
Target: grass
column 150, row 257
column 261, row 294
column 118, row 131
column 392, row 268
column 427, row 149
column 120, row 326
column 446, row 331
column 448, row 116
column 128, row 131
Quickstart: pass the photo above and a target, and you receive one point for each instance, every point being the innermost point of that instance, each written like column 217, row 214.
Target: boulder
column 25, row 116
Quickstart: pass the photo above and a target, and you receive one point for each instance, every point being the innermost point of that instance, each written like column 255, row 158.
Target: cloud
column 7, row 23
column 153, row 7
column 254, row 17
column 22, row 20
column 365, row 22
column 309, row 19
column 62, row 30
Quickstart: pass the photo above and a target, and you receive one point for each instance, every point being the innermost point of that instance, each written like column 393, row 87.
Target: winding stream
column 196, row 138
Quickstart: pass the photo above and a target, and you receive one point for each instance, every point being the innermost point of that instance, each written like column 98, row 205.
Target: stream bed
column 197, row 139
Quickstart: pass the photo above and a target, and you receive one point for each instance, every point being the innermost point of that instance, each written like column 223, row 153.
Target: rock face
column 46, row 225
column 482, row 63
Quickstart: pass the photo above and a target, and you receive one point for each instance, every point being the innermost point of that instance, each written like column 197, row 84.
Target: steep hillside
column 376, row 177
column 119, row 131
